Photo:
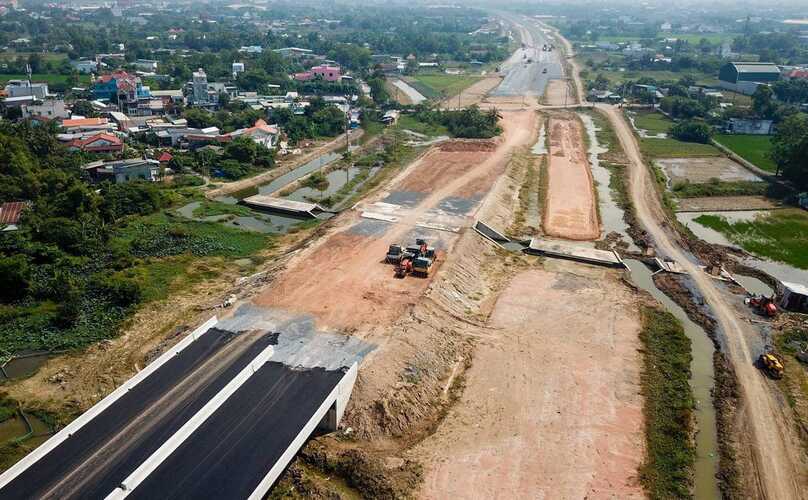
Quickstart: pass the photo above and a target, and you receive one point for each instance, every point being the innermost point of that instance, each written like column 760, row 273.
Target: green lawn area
column 44, row 77
column 671, row 148
column 752, row 148
column 449, row 85
column 782, row 235
column 653, row 123
column 409, row 122
column 49, row 56
column 617, row 77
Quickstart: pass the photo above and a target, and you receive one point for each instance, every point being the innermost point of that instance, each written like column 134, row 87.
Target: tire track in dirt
column 776, row 449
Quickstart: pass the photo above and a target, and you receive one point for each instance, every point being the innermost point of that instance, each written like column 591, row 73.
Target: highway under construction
column 409, row 335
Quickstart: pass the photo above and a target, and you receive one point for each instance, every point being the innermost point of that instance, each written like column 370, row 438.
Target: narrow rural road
column 777, row 453
column 776, row 449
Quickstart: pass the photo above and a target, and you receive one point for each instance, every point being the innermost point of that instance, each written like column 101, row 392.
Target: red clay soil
column 570, row 210
column 344, row 282
column 551, row 406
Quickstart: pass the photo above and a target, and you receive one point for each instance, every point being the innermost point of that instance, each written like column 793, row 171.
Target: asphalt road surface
column 523, row 78
column 229, row 455
column 95, row 459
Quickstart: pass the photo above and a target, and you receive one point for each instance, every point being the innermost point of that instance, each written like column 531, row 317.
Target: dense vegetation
column 86, row 256
column 790, row 149
column 471, row 122
column 668, row 406
column 692, row 131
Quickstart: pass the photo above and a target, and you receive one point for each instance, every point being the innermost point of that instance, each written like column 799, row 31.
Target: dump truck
column 771, row 364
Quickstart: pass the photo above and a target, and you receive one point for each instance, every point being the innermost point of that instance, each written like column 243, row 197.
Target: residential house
column 169, row 97
column 261, row 133
column 745, row 77
column 147, row 65
column 99, row 143
column 293, row 52
column 50, row 109
column 165, row 158
column 390, row 117
column 10, row 214
column 323, row 71
column 127, row 90
column 121, row 171
column 123, row 122
column 24, row 88
column 87, row 125
column 796, row 74
column 749, row 126
column 251, row 49
column 85, row 66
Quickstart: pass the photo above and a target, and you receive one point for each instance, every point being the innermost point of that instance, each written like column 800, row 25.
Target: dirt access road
column 776, row 449
column 551, row 406
column 779, row 462
column 570, row 210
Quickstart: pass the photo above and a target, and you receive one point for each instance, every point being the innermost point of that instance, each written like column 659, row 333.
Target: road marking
column 179, row 437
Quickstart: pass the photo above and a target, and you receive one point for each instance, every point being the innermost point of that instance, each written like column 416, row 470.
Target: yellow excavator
column 771, row 364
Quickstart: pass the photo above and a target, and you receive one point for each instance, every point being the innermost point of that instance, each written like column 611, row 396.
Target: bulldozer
column 771, row 364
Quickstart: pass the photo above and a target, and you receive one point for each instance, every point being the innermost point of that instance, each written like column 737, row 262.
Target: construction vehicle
column 414, row 259
column 394, row 254
column 421, row 266
column 404, row 267
column 771, row 364
column 763, row 305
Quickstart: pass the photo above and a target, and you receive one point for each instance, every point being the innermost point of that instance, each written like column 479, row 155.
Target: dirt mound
column 570, row 209
column 461, row 145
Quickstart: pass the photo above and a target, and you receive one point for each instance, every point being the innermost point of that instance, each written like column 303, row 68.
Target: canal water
column 336, row 180
column 611, row 215
column 305, row 169
column 702, row 381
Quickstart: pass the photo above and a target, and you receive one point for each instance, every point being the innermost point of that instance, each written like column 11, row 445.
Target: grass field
column 617, row 77
column 653, row 123
column 410, row 123
column 671, row 148
column 752, row 148
column 781, row 235
column 43, row 77
column 447, row 85
column 48, row 56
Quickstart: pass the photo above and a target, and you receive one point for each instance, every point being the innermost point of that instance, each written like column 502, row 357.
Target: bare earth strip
column 551, row 406
column 570, row 210
column 558, row 93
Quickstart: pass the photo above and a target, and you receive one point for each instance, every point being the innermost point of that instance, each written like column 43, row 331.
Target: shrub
column 692, row 131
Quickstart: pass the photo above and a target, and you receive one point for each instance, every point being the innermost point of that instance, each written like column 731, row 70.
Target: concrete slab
column 566, row 250
column 282, row 205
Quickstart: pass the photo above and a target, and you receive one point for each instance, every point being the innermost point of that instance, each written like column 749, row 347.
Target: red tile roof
column 165, row 157
column 10, row 212
column 84, row 122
